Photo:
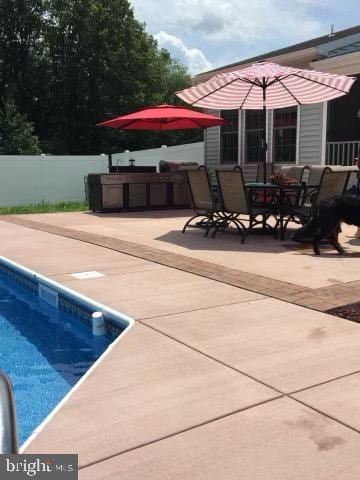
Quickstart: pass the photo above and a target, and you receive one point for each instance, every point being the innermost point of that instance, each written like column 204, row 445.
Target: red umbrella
column 163, row 117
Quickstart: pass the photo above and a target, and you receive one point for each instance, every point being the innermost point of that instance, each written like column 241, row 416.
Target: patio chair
column 353, row 172
column 295, row 172
column 234, row 202
column 202, row 201
column 316, row 173
column 331, row 184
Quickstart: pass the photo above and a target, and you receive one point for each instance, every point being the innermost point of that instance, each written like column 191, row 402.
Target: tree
column 167, row 77
column 102, row 61
column 20, row 30
column 16, row 132
column 69, row 63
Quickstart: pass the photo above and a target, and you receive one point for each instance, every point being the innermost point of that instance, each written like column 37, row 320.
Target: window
column 229, row 136
column 285, row 120
column 254, row 133
column 343, row 123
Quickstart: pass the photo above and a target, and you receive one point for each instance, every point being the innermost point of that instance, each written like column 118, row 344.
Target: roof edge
column 314, row 42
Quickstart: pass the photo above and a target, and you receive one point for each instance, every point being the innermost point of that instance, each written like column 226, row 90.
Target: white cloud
column 225, row 31
column 231, row 19
column 245, row 20
column 193, row 58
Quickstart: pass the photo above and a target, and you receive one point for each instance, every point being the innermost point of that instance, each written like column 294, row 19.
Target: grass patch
column 45, row 208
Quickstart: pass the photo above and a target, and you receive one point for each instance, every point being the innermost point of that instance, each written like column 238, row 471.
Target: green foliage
column 16, row 132
column 45, row 208
column 20, row 32
column 72, row 62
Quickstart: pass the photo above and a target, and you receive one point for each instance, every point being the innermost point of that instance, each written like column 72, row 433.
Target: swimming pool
column 45, row 349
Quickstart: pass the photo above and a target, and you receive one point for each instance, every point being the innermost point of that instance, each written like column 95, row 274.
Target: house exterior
column 323, row 133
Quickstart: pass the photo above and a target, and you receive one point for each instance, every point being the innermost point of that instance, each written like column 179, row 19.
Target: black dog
column 326, row 222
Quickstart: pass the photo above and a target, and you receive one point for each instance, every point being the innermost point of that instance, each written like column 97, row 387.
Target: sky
column 205, row 34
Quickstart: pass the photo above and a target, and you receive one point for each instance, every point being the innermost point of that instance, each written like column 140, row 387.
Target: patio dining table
column 279, row 199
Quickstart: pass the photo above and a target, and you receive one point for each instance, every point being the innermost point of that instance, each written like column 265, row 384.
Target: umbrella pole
column 109, row 149
column 110, row 161
column 264, row 149
column 264, row 144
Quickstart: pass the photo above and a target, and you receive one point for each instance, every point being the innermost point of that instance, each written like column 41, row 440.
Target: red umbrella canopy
column 163, row 117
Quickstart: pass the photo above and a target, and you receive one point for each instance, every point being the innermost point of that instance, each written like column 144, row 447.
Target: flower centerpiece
column 281, row 179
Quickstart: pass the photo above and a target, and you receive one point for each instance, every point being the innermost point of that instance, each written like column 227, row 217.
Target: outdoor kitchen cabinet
column 136, row 191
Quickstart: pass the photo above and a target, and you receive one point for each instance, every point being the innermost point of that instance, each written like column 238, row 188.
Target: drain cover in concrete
column 86, row 275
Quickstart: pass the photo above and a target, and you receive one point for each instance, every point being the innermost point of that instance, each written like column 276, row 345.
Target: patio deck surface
column 224, row 375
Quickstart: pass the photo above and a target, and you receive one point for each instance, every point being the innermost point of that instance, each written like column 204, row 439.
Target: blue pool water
column 45, row 351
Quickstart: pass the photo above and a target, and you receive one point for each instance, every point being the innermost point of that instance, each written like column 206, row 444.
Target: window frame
column 294, row 127
column 227, row 134
column 246, row 131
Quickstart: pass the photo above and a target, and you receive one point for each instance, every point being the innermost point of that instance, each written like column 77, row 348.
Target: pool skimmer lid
column 86, row 275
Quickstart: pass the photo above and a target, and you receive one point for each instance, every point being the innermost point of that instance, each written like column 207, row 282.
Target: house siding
column 310, row 138
column 311, row 134
column 339, row 53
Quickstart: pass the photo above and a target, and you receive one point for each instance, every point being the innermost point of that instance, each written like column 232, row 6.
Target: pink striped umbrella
column 266, row 86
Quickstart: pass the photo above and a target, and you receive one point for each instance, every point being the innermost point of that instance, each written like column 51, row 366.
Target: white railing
column 342, row 153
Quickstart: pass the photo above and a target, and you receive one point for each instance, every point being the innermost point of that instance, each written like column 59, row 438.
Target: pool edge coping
column 62, row 402
column 125, row 319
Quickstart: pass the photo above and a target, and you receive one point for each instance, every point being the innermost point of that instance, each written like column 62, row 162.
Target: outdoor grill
column 136, row 191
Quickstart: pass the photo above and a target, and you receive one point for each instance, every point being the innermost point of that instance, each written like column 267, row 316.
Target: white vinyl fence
column 32, row 179
column 191, row 152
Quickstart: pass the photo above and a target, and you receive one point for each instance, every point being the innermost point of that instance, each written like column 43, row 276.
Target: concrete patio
column 232, row 369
